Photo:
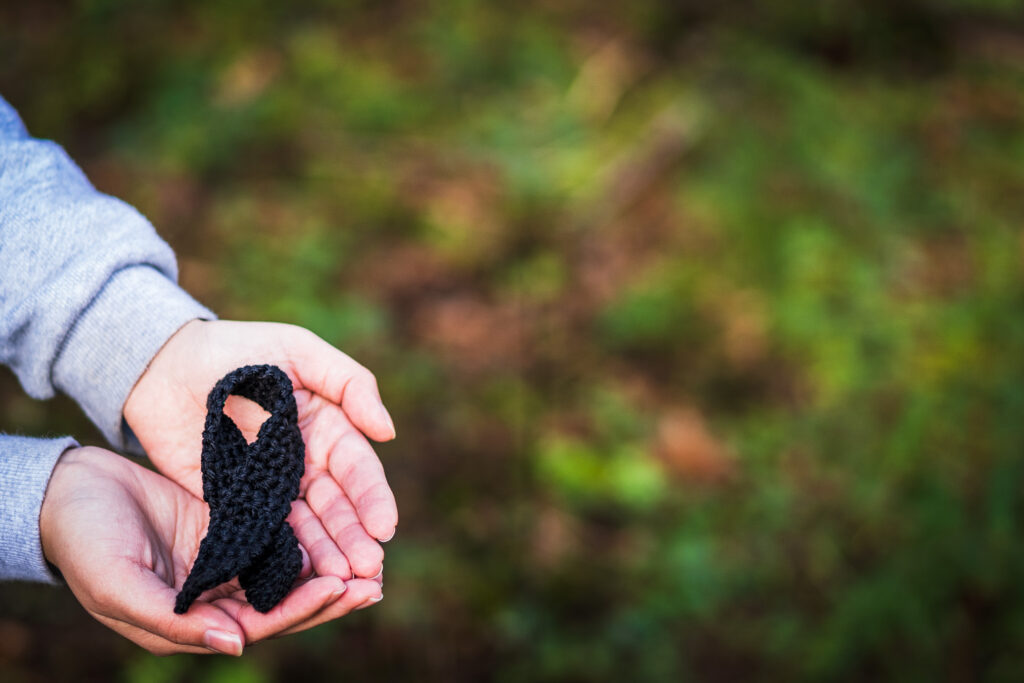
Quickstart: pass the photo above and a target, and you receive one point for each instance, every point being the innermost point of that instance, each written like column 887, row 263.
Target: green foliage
column 700, row 322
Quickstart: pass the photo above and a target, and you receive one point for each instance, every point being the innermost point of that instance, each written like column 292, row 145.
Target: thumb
column 143, row 601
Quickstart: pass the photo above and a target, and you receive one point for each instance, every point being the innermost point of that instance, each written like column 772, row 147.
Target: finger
column 323, row 553
column 138, row 597
column 325, row 370
column 339, row 518
column 358, row 470
column 361, row 593
column 298, row 606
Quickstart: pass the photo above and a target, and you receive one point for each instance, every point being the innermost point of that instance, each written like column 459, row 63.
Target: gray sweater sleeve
column 25, row 466
column 88, row 295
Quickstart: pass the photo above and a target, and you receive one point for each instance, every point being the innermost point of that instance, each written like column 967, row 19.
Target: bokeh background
column 702, row 323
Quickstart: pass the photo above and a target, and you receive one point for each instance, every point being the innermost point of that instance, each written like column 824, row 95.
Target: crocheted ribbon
column 250, row 488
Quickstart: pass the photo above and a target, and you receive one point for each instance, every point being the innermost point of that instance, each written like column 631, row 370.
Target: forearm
column 87, row 288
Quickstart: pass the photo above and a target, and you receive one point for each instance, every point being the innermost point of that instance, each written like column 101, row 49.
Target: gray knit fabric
column 88, row 295
column 25, row 466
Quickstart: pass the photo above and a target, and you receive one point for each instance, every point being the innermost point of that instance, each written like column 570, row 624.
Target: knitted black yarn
column 250, row 489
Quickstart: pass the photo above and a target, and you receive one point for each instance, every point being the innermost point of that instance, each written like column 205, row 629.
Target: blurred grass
column 701, row 323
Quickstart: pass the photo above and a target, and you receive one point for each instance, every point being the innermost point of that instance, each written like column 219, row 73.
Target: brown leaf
column 689, row 449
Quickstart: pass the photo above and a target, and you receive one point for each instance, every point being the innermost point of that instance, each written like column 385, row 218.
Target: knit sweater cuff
column 25, row 468
column 114, row 339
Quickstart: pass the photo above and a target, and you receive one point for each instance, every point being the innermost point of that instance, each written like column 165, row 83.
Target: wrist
column 154, row 381
column 53, row 500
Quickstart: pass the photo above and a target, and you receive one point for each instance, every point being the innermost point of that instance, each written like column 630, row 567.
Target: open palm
column 124, row 538
column 347, row 503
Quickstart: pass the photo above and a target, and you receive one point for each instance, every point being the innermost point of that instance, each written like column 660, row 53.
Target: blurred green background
column 702, row 323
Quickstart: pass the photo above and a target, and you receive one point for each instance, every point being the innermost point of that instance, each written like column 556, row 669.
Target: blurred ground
column 702, row 323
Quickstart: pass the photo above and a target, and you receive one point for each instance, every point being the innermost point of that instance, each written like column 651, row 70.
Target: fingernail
column 387, row 418
column 388, row 537
column 223, row 642
column 379, row 574
column 371, row 601
column 338, row 592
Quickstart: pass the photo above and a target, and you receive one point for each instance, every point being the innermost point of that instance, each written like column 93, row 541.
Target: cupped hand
column 124, row 539
column 348, row 505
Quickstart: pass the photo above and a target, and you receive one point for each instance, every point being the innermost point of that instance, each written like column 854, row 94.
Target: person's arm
column 75, row 265
column 88, row 300
column 87, row 288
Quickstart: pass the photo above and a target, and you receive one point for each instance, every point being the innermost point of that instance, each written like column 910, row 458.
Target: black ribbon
column 250, row 489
